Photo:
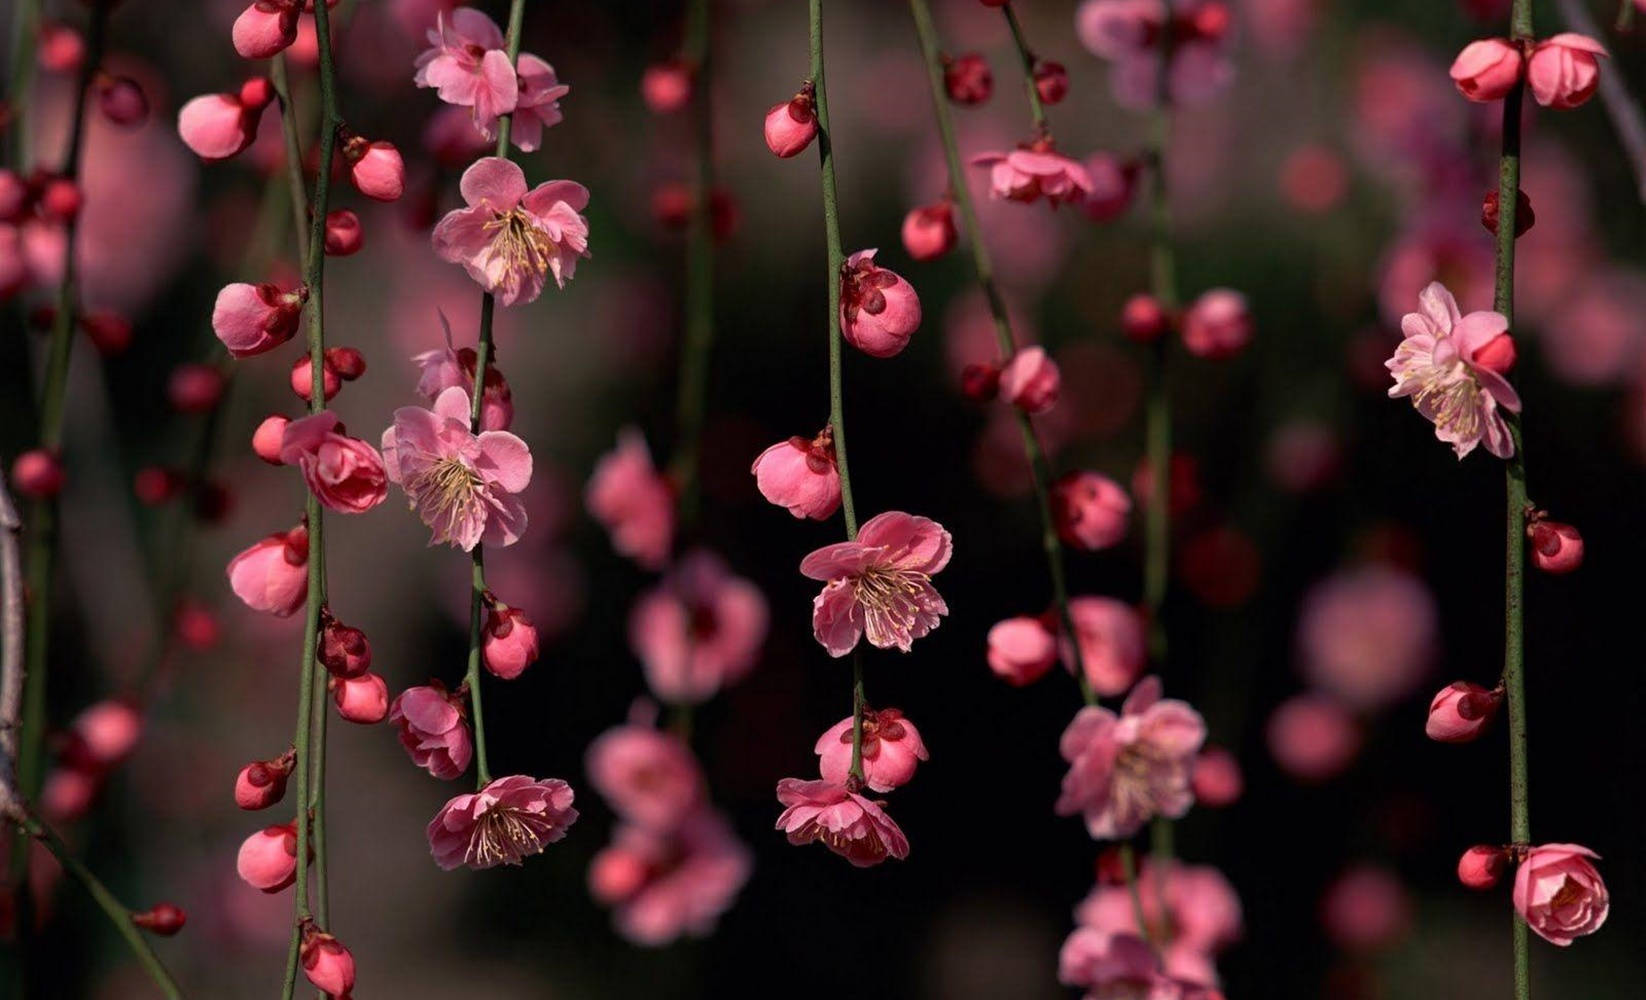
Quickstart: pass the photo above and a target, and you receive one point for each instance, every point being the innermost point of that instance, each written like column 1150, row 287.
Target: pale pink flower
column 272, row 575
column 538, row 107
column 467, row 65
column 1121, row 966
column 252, row 319
column 1366, row 909
column 431, row 727
column 879, row 585
column 1126, row 769
column 1201, row 916
column 663, row 885
column 464, row 486
column 699, row 630
column 633, row 500
column 1368, row 634
column 1487, row 70
column 502, row 824
column 1560, row 894
column 879, row 310
column 1563, row 72
column 1110, row 634
column 1021, row 650
column 649, row 778
column 1113, row 185
column 891, row 749
column 103, row 735
column 345, row 473
column 1033, row 172
column 1435, row 364
column 1312, row 737
column 510, row 237
column 801, row 476
column 848, row 824
column 1217, row 779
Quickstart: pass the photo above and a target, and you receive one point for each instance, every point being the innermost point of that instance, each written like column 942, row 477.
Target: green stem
column 1037, row 111
column 699, row 294
column 289, row 127
column 1625, row 16
column 482, row 363
column 961, row 192
column 1514, row 548
column 1128, row 866
column 25, row 37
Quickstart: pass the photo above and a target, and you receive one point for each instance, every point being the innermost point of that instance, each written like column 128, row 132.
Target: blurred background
column 1329, row 549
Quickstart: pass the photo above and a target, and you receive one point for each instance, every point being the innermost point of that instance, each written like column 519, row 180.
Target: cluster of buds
column 1030, row 381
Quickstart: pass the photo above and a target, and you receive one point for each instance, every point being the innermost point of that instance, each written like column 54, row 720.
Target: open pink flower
column 345, row 473
column 891, row 750
column 538, row 107
column 847, row 823
column 663, row 885
column 699, row 630
column 509, row 237
column 502, row 824
column 1124, row 770
column 649, row 778
column 432, row 729
column 467, row 65
column 1033, row 172
column 1560, row 894
column 1201, row 915
column 880, row 585
column 1436, row 364
column 273, row 574
column 464, row 486
column 635, row 503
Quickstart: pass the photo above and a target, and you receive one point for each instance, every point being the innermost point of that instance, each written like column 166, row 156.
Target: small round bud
column 1556, row 547
column 348, row 363
column 980, row 381
column 155, row 485
column 1460, row 711
column 60, row 48
column 363, row 699
column 267, row 439
column 967, row 79
column 929, row 231
column 1091, row 510
column 510, row 643
column 327, row 963
column 344, row 650
column 60, row 200
column 1051, row 81
column 262, row 783
column 196, row 625
column 666, row 87
column 343, row 233
column 302, row 379
column 37, row 474
column 1497, row 354
column 1482, row 866
column 1525, row 218
column 121, row 100
column 1143, row 318
column 257, row 93
column 1216, row 779
column 1217, row 325
column 376, row 168
column 268, row 858
column 792, row 125
column 1031, row 381
column 194, row 388
column 164, row 919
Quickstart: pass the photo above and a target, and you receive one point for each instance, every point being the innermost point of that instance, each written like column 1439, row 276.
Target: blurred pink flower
column 1031, row 381
column 699, row 630
column 1021, row 650
column 1559, row 893
column 1437, row 365
column 1312, row 737
column 1368, row 635
column 635, row 503
column 1127, row 769
column 1121, row 966
column 1091, row 510
column 1366, row 909
column 451, row 368
column 663, row 885
column 1217, row 780
column 345, row 473
column 104, row 734
column 891, row 750
column 467, row 65
column 1434, row 250
column 1202, row 915
column 1029, row 173
column 1596, row 337
column 880, row 585
column 509, row 237
column 463, row 486
column 1110, row 634
column 272, row 575
column 847, row 823
column 649, row 778
column 429, row 721
column 501, row 824
column 1217, row 325
column 1129, row 33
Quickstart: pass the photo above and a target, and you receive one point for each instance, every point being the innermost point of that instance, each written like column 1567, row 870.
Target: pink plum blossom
column 699, row 630
column 792, row 125
column 879, row 310
column 501, row 824
column 266, row 28
column 440, row 370
column 1312, row 737
column 929, row 231
column 538, row 107
column 1128, row 33
column 649, row 778
column 464, row 486
column 633, row 500
column 510, row 644
column 1366, row 909
column 1559, row 893
column 666, row 884
column 1033, row 172
column 272, row 575
column 429, row 721
column 345, row 473
column 363, row 700
column 510, row 237
column 1201, row 915
column 848, row 824
column 891, row 749
column 327, row 964
column 1563, row 72
column 1460, row 711
column 880, row 584
column 218, row 126
column 801, row 476
column 1110, row 634
column 467, row 65
column 1217, row 325
column 1126, row 769
column 1031, row 381
column 1121, row 966
column 1368, row 634
column 1436, row 365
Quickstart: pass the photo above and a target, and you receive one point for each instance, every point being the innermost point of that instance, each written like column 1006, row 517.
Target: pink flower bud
column 37, row 474
column 1021, row 650
column 14, row 196
column 60, row 200
column 1143, row 318
column 1090, row 509
column 363, row 699
column 60, row 47
column 348, row 363
column 510, row 644
column 253, row 319
column 1487, row 70
column 164, row 919
column 1031, row 381
column 1563, row 72
column 1460, row 711
column 327, row 964
column 980, row 381
column 1113, row 184
column 1051, row 81
column 800, row 476
column 1497, row 354
column 1525, row 218
column 792, row 125
column 891, row 747
column 343, row 233
column 268, row 858
column 432, row 730
column 344, row 650
column 879, row 311
column 68, row 793
column 108, row 331
column 1217, row 325
column 666, row 86
column 262, row 783
column 1216, row 778
column 265, row 29
column 155, row 485
column 1482, row 866
column 302, row 379
column 272, row 575
column 376, row 168
column 616, row 874
column 194, row 388
column 196, row 625
column 104, row 735
column 928, row 231
column 257, row 93
column 217, row 126
column 122, row 101
column 1556, row 547
column 1559, row 893
column 266, row 440
column 967, row 79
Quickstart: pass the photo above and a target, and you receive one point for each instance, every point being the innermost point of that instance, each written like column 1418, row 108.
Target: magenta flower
column 663, row 885
column 649, row 778
column 635, row 503
column 1438, row 365
column 509, row 237
column 699, row 630
column 1032, row 172
column 1124, row 770
column 503, row 823
column 891, row 750
column 1559, row 893
column 879, row 585
column 345, row 473
column 847, row 823
column 462, row 485
column 467, row 65
column 430, row 723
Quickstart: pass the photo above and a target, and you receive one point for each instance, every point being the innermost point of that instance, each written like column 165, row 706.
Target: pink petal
column 505, row 459
column 492, row 181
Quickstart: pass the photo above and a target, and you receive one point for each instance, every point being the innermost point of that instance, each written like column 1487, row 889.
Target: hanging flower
column 467, row 65
column 880, row 585
column 847, row 823
column 1444, row 364
column 509, row 237
column 464, row 486
column 345, row 473
column 1126, row 769
column 502, row 824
